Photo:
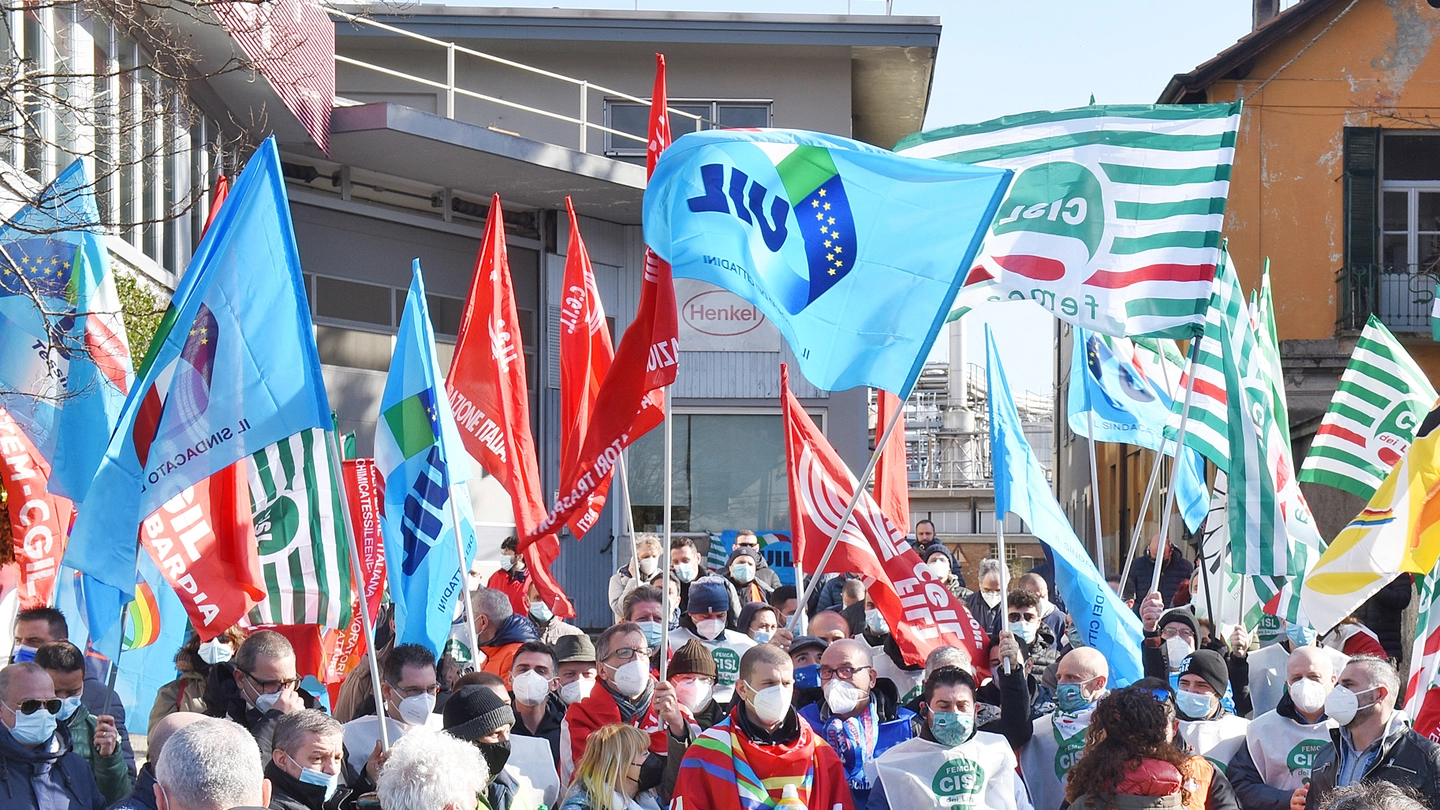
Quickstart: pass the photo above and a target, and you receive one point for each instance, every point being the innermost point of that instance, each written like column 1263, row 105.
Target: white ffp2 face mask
column 531, row 688
column 577, row 690
column 709, row 629
column 416, row 709
column 631, row 679
column 1308, row 695
column 841, row 697
column 771, row 704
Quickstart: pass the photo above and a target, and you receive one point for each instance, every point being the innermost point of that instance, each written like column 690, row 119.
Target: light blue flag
column 234, row 370
column 1020, row 487
column 854, row 252
column 64, row 374
column 418, row 450
column 142, row 671
column 1130, row 408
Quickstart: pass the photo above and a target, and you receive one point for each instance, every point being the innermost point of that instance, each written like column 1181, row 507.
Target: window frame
column 633, row 149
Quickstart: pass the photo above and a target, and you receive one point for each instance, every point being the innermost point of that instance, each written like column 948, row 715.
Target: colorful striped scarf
column 724, row 770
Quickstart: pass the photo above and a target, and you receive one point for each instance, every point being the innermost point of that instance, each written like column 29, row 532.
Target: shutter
column 1362, row 196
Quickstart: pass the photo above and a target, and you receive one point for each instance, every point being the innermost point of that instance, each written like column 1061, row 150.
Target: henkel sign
column 716, row 320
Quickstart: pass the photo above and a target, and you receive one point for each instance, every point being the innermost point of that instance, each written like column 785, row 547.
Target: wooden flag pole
column 366, row 625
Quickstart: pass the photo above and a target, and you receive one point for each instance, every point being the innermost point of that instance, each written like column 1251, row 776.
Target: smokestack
column 1264, row 12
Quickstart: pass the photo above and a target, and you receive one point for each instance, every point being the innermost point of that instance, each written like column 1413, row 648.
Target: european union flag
column 418, row 450
column 1020, row 487
column 64, row 363
column 234, row 370
column 855, row 253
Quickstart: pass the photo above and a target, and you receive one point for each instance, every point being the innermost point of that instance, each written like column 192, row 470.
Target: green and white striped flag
column 1382, row 397
column 304, row 553
column 1113, row 220
column 1235, row 423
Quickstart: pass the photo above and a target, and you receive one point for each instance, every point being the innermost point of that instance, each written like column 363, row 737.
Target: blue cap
column 707, row 595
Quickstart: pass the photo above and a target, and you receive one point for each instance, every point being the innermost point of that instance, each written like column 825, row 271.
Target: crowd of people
column 748, row 715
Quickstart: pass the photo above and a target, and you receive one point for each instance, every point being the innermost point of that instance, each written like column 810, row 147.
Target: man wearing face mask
column 741, row 570
column 40, row 770
column 1374, row 742
column 512, row 579
column 746, row 540
column 577, row 672
column 94, row 739
column 1272, row 768
column 984, row 604
column 1036, row 639
column 938, row 559
column 547, row 624
column 625, row 693
column 685, row 564
column 499, row 630
column 1205, row 726
column 539, row 711
column 1171, row 636
column 1267, row 667
column 950, row 764
column 478, row 715
column 408, row 689
column 762, row 736
column 257, row 687
column 643, row 607
column 1050, row 615
column 705, row 617
column 860, row 717
column 306, row 762
column 634, row 574
column 1059, row 737
column 890, row 666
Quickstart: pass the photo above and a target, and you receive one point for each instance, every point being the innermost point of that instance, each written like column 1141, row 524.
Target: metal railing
column 453, row 90
column 1401, row 295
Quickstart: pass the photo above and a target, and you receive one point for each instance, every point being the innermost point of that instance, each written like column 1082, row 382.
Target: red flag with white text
column 38, row 520
column 363, row 486
column 645, row 362
column 491, row 401
column 921, row 611
column 892, row 477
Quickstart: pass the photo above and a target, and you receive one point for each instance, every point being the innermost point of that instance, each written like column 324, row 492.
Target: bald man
column 143, row 796
column 1083, row 676
column 1280, row 745
column 852, row 690
column 829, row 625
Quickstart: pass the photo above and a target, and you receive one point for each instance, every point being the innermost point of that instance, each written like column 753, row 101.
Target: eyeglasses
column 412, row 691
column 51, row 705
column 628, row 653
column 845, row 673
column 270, row 687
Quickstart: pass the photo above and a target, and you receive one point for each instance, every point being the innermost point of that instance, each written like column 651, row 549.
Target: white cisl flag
column 921, row 611
column 1422, row 690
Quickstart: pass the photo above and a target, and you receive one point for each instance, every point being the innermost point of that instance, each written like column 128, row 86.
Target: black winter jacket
column 289, row 793
column 224, row 699
column 1175, row 572
column 1405, row 759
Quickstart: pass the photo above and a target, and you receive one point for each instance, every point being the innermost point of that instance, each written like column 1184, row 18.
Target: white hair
column 211, row 764
column 431, row 770
column 948, row 656
column 490, row 603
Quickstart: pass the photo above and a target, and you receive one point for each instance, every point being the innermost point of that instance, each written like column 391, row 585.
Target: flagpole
column 1140, row 521
column 665, row 539
column 115, row 664
column 849, row 509
column 1095, row 490
column 629, row 522
column 1175, row 467
column 366, row 626
column 465, row 576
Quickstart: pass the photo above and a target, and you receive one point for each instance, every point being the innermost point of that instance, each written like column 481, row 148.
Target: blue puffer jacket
column 895, row 727
column 51, row 777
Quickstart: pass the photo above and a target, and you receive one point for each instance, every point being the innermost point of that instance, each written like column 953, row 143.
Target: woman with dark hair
column 193, row 661
column 1130, row 761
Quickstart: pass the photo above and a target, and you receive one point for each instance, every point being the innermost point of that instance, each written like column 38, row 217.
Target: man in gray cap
column 575, row 659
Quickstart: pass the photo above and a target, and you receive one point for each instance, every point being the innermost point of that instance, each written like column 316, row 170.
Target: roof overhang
column 427, row 148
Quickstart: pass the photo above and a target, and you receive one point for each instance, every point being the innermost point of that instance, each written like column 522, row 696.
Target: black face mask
column 496, row 754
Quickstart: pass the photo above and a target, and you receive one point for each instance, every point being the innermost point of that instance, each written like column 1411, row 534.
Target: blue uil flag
column 855, row 253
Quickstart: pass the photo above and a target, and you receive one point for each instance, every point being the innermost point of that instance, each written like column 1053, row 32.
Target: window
column 627, row 116
column 1409, row 229
column 728, row 473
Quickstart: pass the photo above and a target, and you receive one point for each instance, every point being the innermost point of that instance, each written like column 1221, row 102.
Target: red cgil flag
column 38, row 520
column 645, row 362
column 585, row 358
column 921, row 611
column 488, row 393
column 892, row 478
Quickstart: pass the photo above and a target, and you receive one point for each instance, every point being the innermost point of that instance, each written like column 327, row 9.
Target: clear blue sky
column 1007, row 56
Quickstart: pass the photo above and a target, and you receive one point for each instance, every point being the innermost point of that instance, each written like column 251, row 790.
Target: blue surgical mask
column 1192, row 705
column 762, row 636
column 1299, row 634
column 1070, row 697
column 1025, row 631
column 952, row 728
column 67, row 708
column 310, row 776
column 875, row 622
column 22, row 654
column 33, row 729
column 652, row 631
column 807, row 677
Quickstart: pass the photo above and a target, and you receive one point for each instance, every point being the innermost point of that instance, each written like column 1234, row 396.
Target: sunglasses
column 51, row 705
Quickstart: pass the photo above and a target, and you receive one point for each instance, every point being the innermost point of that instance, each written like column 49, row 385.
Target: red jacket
column 515, row 586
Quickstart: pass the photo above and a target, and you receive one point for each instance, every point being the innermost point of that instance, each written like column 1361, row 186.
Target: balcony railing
column 1401, row 295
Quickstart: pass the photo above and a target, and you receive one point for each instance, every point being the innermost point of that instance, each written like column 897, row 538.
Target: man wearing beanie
column 1171, row 636
column 481, row 717
column 706, row 615
column 1205, row 726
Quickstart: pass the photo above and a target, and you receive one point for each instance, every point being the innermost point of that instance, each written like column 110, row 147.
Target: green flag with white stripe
column 304, row 553
column 1113, row 220
column 1382, row 397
